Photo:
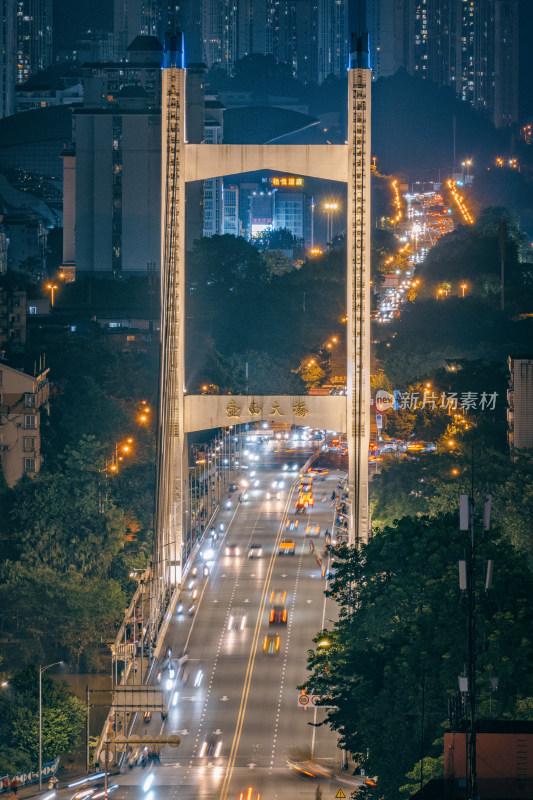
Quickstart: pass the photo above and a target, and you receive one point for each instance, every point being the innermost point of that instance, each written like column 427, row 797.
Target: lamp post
column 52, row 288
column 463, row 287
column 330, row 208
column 41, row 670
column 125, row 445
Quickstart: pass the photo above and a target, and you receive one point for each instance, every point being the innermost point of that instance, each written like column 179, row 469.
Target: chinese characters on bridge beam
column 299, row 409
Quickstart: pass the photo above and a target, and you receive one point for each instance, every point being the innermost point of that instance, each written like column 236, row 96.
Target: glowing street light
column 52, row 288
column 126, row 447
column 330, row 208
column 467, row 163
column 463, row 288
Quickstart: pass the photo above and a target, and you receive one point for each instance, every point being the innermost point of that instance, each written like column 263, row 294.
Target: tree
column 400, row 610
column 63, row 718
column 63, row 520
column 426, row 770
column 226, row 262
column 310, row 372
column 266, row 375
column 73, row 613
column 276, row 262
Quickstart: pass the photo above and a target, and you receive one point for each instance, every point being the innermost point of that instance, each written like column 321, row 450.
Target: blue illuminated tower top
column 174, row 55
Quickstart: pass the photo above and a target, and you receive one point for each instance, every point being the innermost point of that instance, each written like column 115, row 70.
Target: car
column 85, row 792
column 211, row 746
column 237, row 619
column 278, row 609
column 232, row 549
column 255, row 551
column 233, row 487
column 271, row 644
column 147, row 716
column 287, row 547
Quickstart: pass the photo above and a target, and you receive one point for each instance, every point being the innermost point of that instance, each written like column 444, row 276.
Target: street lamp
column 463, row 287
column 41, row 670
column 330, row 208
column 52, row 288
column 125, row 445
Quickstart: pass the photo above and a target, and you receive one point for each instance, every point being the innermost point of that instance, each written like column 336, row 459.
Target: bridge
column 182, row 413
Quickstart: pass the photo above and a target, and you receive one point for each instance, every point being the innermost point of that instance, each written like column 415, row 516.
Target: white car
column 255, row 551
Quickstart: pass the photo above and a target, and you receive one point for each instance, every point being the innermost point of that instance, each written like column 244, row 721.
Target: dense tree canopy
column 63, row 717
column 400, row 635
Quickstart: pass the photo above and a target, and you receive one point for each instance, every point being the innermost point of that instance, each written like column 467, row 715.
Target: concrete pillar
column 172, row 440
column 358, row 299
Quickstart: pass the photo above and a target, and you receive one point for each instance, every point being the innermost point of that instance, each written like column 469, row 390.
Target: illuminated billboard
column 285, row 181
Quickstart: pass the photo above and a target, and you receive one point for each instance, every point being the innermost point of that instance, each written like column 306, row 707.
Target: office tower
column 8, row 52
column 34, row 37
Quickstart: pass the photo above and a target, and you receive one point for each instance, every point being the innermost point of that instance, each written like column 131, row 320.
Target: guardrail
column 157, row 646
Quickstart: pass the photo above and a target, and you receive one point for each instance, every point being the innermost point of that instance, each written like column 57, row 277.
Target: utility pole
column 467, row 584
column 88, row 729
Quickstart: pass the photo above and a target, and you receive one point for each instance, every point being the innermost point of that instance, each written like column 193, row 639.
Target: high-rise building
column 470, row 45
column 310, row 35
column 116, row 188
column 292, row 211
column 230, row 207
column 520, row 403
column 506, row 23
column 135, row 18
column 213, row 134
column 332, row 35
column 34, row 37
column 8, row 52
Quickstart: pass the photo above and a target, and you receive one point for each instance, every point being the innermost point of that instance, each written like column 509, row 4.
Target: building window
column 32, row 309
column 28, row 443
column 29, row 400
column 29, row 465
column 30, row 422
column 0, row 377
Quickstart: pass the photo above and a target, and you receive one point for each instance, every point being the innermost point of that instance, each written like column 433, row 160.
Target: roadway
column 230, row 690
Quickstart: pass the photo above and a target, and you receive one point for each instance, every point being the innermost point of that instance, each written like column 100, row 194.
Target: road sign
column 315, row 699
column 379, row 421
column 303, row 700
column 340, row 793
